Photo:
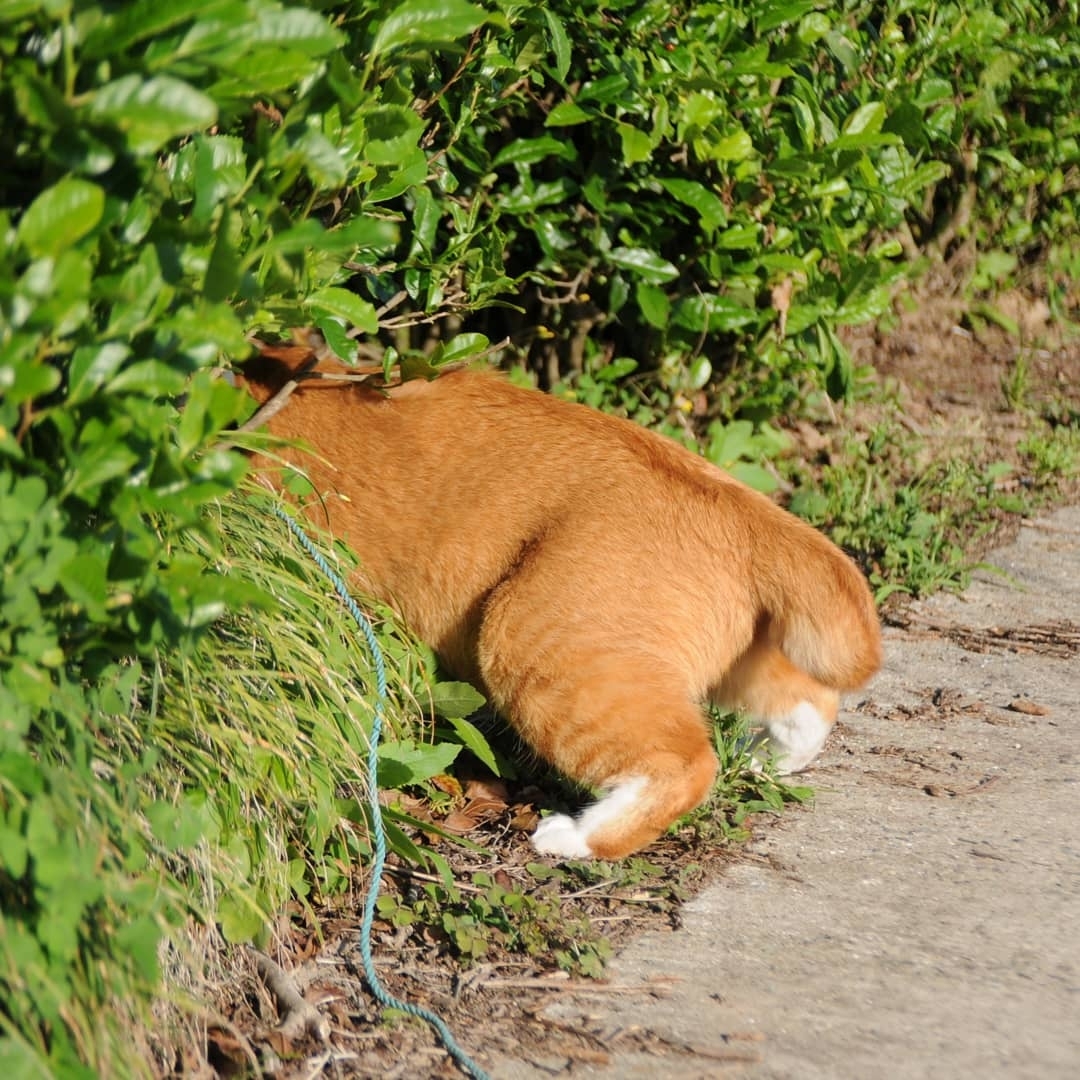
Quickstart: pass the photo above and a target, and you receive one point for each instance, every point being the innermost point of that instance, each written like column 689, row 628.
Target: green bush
column 692, row 191
column 159, row 203
column 733, row 182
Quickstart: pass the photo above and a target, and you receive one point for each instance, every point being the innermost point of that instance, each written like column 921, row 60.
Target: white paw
column 789, row 743
column 560, row 835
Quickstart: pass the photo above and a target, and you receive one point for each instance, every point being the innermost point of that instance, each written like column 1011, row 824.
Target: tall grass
column 241, row 764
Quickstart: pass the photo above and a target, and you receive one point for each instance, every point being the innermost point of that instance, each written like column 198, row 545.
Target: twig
column 421, row 107
column 418, row 875
column 298, row 1017
column 398, row 298
column 713, row 1053
column 273, row 405
column 318, row 1063
column 571, row 288
column 594, row 887
column 578, row 986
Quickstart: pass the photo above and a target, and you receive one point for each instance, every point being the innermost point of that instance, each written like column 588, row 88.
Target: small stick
column 273, row 405
column 297, row 1015
column 419, row 875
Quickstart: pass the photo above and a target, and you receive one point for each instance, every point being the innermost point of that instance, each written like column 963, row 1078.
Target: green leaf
column 617, row 369
column 92, row 367
column 177, row 827
column 154, row 111
column 346, row 305
column 240, row 920
column 151, row 377
column 654, row 304
column 473, row 740
column 530, row 151
column 729, row 442
column 98, row 463
column 294, row 28
column 335, row 334
column 25, row 381
column 610, row 90
column 862, row 127
column 426, row 23
column 699, row 198
column 560, row 43
column 321, row 160
column 454, row 700
column 738, row 238
column 140, row 939
column 778, row 12
column 646, row 264
column 567, row 114
column 404, row 763
column 709, row 313
column 61, row 216
column 737, row 146
column 546, row 194
column 224, row 267
column 84, row 580
column 458, row 349
column 636, row 145
column 754, row 476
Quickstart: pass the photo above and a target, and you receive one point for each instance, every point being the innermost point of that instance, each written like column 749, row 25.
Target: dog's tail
column 816, row 604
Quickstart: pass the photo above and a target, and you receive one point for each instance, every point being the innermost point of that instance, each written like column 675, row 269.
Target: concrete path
column 923, row 918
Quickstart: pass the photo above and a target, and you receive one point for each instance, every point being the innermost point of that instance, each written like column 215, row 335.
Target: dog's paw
column 560, row 835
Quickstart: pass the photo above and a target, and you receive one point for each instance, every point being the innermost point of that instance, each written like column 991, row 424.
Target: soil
column 912, row 924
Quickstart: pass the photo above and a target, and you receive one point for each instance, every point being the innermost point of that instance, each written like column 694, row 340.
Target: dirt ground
column 915, row 922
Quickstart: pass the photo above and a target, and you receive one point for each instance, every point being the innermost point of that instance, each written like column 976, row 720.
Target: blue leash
column 379, row 992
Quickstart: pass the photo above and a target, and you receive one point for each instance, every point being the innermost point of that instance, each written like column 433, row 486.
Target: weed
column 908, row 532
column 1016, row 384
column 1052, row 453
column 484, row 916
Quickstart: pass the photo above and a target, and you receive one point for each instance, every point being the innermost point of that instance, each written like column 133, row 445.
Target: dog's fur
column 597, row 581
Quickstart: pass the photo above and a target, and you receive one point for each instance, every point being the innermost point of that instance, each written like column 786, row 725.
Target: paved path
column 923, row 918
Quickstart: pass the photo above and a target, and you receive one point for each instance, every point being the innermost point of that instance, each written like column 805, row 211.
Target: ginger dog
column 596, row 580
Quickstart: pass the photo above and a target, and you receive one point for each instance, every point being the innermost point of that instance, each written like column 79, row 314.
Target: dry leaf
column 493, row 790
column 459, row 822
column 781, row 302
column 447, row 784
column 1028, row 708
column 525, row 819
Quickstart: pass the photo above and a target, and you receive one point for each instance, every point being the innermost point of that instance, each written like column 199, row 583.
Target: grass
column 259, row 736
column 538, row 911
column 915, row 512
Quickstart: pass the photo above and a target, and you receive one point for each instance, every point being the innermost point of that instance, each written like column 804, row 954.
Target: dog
column 595, row 580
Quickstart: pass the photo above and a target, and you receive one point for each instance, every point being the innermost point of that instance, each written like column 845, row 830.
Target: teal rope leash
column 379, row 992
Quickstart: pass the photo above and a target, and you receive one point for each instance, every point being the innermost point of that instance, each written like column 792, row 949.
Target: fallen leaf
column 1028, row 708
column 448, row 784
column 525, row 819
column 489, row 790
column 459, row 822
